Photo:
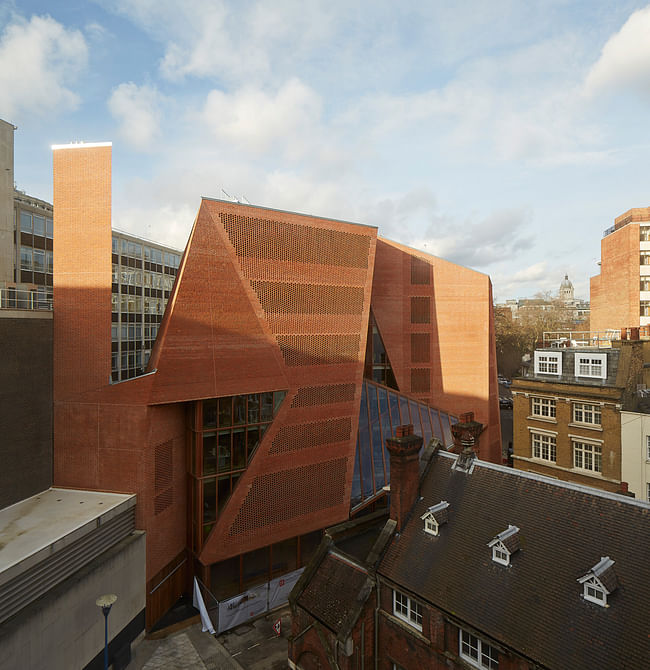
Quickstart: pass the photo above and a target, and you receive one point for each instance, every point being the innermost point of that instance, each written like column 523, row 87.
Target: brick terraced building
column 290, row 348
column 487, row 567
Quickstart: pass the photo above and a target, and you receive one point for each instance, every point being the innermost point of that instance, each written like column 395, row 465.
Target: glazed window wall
column 377, row 366
column 34, row 259
column 225, row 435
column 143, row 278
column 382, row 410
column 239, row 573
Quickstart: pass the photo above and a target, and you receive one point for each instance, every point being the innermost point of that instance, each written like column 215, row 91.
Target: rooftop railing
column 12, row 298
column 579, row 338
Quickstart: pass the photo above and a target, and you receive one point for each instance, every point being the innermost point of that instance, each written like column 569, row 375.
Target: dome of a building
column 566, row 289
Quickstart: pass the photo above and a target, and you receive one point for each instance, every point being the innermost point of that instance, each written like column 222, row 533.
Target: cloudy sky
column 502, row 135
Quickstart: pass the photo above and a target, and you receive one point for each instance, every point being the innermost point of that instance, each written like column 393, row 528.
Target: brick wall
column 615, row 292
column 453, row 306
column 610, row 433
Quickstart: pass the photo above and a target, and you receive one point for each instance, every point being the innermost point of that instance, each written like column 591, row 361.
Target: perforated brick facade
column 264, row 302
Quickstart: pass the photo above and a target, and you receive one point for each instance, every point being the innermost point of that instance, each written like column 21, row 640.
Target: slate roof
column 334, row 591
column 508, row 538
column 535, row 605
column 568, row 367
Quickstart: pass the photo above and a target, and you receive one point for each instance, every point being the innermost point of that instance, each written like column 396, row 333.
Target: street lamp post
column 106, row 602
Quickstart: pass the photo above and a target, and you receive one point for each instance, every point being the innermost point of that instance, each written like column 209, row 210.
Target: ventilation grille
column 420, row 348
column 291, row 298
column 319, row 349
column 45, row 575
column 310, row 396
column 283, row 496
column 420, row 381
column 277, row 240
column 305, row 435
column 163, row 476
column 420, row 271
column 420, row 310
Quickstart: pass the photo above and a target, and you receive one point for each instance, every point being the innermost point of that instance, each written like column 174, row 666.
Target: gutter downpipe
column 377, row 622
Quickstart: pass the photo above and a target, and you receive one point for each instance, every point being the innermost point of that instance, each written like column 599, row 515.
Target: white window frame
column 500, row 554
column 431, row 525
column 594, row 366
column 548, row 363
column 545, row 441
column 486, row 655
column 407, row 609
column 588, row 452
column 591, row 590
column 585, row 409
column 543, row 407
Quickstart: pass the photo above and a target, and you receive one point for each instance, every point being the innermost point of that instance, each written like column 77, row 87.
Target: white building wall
column 64, row 630
column 635, row 465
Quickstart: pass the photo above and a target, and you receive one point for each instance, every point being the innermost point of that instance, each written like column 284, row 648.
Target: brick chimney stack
column 404, row 472
column 466, row 434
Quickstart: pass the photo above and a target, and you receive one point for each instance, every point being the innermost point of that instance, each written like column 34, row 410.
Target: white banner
column 243, row 607
column 280, row 588
column 197, row 601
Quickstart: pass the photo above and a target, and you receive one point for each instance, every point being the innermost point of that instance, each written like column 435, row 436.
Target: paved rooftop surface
column 251, row 646
column 34, row 527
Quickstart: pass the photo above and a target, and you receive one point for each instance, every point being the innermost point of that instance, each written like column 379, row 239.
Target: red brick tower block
column 615, row 291
column 404, row 472
column 82, row 270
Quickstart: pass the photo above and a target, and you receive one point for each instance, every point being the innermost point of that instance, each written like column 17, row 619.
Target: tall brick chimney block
column 404, row 472
column 466, row 433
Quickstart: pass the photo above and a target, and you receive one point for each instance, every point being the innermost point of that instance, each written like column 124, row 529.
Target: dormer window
column 599, row 582
column 591, row 365
column 548, row 363
column 435, row 516
column 504, row 545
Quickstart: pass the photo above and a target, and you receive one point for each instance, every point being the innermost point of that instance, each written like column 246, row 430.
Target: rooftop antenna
column 227, row 194
column 246, row 199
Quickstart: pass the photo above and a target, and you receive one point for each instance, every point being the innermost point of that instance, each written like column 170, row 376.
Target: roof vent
column 504, row 545
column 435, row 516
column 599, row 582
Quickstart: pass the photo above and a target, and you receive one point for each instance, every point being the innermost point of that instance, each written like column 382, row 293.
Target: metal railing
column 580, row 338
column 13, row 298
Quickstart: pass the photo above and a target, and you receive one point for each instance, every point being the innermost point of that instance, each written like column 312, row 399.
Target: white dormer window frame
column 594, row 591
column 431, row 524
column 593, row 588
column 593, row 366
column 500, row 554
column 548, row 363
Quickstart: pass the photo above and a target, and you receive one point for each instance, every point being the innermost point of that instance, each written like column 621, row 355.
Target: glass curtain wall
column 225, row 435
column 382, row 410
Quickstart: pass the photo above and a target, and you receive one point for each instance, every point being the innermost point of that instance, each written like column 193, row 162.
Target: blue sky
column 505, row 136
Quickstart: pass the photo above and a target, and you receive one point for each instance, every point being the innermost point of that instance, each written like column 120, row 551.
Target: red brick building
column 487, row 567
column 620, row 294
column 244, row 438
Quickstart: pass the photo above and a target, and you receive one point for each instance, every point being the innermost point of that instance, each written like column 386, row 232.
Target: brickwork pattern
column 442, row 349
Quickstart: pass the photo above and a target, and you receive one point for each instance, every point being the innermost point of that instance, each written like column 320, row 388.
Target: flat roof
column 33, row 529
column 81, row 145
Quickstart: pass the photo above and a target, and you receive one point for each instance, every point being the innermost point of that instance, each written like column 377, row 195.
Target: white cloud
column 137, row 109
column 253, row 119
column 39, row 59
column 625, row 59
column 534, row 272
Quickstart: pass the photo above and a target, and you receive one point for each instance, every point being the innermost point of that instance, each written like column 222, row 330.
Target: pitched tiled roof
column 535, row 605
column 334, row 591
